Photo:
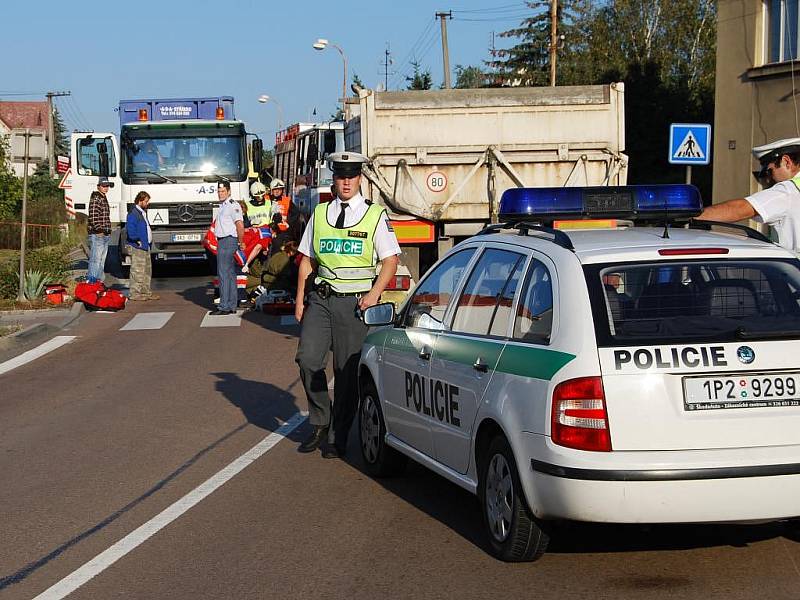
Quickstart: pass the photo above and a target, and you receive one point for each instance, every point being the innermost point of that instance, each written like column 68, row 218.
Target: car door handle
column 480, row 366
column 425, row 354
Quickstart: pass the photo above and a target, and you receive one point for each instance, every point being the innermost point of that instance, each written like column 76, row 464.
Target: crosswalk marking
column 152, row 320
column 40, row 350
column 233, row 320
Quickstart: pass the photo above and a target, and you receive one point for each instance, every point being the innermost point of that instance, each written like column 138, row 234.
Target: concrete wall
column 754, row 102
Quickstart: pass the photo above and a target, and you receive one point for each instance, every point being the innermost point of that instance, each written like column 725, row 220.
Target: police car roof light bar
column 751, row 233
column 635, row 202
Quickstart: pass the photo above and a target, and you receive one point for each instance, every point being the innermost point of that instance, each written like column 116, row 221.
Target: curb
column 37, row 332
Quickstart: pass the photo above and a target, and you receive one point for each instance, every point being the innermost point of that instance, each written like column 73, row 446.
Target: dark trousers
column 331, row 323
column 226, row 272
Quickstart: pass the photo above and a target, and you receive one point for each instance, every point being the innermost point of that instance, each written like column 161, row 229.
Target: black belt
column 324, row 290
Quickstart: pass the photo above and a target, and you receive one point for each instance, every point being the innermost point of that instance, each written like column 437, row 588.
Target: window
column 485, row 305
column 183, row 156
column 694, row 301
column 534, row 320
column 781, row 30
column 427, row 306
column 89, row 152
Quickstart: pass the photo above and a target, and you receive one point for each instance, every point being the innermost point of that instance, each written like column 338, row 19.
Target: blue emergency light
column 633, row 202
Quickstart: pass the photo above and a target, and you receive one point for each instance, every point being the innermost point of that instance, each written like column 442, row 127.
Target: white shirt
column 779, row 206
column 229, row 213
column 149, row 231
column 385, row 240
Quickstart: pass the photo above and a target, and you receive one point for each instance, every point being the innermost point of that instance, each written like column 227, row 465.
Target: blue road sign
column 689, row 143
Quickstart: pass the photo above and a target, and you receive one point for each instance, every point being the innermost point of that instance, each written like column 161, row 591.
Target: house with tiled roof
column 17, row 116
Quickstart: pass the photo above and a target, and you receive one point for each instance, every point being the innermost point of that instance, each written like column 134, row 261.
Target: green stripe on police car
column 514, row 359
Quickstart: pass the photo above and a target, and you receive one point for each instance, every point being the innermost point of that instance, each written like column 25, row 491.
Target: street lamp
column 264, row 98
column 321, row 44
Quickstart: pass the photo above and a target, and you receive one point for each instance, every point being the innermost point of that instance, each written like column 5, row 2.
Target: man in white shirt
column 341, row 246
column 229, row 229
column 778, row 204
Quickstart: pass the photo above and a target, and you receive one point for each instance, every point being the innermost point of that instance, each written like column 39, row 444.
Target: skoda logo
column 185, row 212
column 745, row 354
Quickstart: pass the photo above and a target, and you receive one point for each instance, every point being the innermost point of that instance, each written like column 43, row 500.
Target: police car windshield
column 695, row 301
column 184, row 157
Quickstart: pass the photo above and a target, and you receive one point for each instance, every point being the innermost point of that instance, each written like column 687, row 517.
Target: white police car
column 635, row 374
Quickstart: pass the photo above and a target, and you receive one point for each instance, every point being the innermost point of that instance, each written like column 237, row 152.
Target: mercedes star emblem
column 185, row 212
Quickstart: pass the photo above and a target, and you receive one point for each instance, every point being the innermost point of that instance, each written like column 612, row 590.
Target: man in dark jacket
column 139, row 239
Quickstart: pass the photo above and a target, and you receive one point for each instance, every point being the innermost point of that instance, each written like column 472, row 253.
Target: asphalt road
column 100, row 436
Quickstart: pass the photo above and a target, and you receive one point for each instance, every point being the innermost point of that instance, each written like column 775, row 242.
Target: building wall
column 754, row 102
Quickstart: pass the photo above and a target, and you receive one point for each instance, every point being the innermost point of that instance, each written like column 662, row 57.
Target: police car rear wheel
column 513, row 533
column 380, row 460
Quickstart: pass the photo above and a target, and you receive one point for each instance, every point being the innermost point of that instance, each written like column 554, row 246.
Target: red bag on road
column 96, row 296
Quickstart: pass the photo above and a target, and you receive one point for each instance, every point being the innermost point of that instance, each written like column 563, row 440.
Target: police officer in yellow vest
column 342, row 244
column 259, row 208
column 778, row 204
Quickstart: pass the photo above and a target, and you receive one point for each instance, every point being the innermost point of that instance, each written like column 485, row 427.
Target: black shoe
column 330, row 451
column 217, row 313
column 314, row 440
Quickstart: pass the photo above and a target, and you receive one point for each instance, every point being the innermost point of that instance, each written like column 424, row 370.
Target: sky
column 103, row 52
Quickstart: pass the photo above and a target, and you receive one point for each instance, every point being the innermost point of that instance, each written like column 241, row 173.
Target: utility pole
column 386, row 62
column 51, row 145
column 445, row 51
column 553, row 40
column 23, row 227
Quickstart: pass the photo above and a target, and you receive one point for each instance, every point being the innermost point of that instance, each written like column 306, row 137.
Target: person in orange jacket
column 289, row 227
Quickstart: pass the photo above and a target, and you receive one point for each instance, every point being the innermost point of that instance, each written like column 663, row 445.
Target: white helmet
column 257, row 189
column 276, row 183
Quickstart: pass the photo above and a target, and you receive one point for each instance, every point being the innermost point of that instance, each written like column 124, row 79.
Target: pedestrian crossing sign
column 689, row 143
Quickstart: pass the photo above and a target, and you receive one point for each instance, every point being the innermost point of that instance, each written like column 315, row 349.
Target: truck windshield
column 691, row 301
column 185, row 157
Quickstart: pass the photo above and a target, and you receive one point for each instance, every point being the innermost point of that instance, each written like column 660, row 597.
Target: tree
column 527, row 63
column 10, row 186
column 470, row 77
column 420, row 80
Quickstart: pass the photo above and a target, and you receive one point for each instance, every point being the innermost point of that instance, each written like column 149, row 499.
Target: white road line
column 105, row 559
column 233, row 320
column 35, row 353
column 153, row 320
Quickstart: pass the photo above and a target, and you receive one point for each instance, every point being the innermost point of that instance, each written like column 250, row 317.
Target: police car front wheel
column 380, row 460
column 514, row 535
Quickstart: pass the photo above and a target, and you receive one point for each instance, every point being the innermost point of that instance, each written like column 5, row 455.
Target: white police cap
column 346, row 164
column 773, row 151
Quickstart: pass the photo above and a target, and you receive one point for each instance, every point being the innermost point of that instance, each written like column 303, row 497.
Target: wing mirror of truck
column 257, row 148
column 379, row 314
column 328, row 143
column 102, row 151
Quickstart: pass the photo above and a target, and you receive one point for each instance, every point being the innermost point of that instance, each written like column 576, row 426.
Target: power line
column 504, row 7
column 406, row 73
column 421, row 39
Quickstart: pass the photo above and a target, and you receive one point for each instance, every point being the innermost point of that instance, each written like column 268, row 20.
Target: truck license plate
column 186, row 237
column 741, row 391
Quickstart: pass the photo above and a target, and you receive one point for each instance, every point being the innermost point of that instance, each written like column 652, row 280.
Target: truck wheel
column 379, row 459
column 514, row 535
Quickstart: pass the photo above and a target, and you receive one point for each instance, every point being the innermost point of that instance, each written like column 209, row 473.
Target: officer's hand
column 299, row 308
column 368, row 299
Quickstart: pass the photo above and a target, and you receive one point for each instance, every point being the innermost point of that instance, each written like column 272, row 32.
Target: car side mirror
column 102, row 154
column 257, row 148
column 380, row 314
column 328, row 142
